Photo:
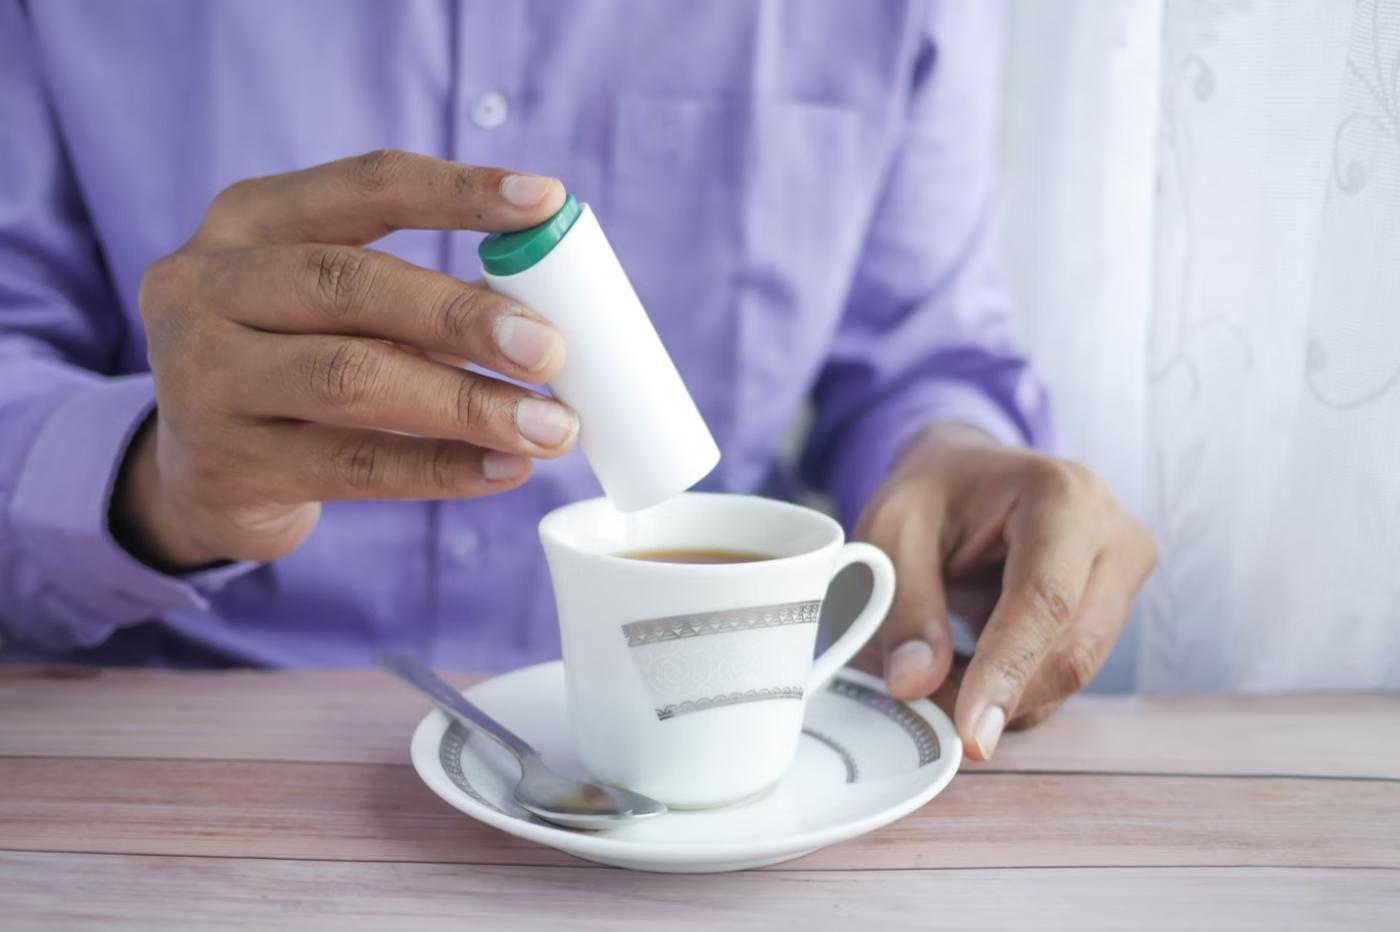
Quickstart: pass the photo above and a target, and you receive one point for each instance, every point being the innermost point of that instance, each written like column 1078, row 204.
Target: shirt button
column 462, row 549
column 490, row 110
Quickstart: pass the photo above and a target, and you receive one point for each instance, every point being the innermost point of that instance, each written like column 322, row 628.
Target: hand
column 1031, row 551
column 294, row 366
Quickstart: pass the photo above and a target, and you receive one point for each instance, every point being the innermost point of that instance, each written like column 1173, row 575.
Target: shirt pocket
column 737, row 221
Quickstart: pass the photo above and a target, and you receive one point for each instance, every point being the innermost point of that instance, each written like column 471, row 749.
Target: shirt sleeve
column 66, row 417
column 926, row 335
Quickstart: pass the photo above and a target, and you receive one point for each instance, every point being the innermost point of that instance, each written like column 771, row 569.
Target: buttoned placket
column 484, row 129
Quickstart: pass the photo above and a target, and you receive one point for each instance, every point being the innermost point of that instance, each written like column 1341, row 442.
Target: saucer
column 864, row 761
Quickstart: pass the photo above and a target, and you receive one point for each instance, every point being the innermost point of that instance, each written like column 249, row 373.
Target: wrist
column 139, row 515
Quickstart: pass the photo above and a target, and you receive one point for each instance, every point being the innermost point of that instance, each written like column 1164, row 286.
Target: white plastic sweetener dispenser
column 638, row 426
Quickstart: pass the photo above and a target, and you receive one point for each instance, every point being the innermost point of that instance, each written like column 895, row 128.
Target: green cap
column 508, row 253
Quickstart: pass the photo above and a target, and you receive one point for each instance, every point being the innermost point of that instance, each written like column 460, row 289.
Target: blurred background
column 1203, row 226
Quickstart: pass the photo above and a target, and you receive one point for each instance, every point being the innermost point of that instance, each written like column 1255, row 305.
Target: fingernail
column 910, row 662
column 527, row 343
column 525, row 190
column 987, row 732
column 496, row 466
column 546, row 423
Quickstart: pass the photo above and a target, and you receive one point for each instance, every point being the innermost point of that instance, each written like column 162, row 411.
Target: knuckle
column 444, row 468
column 1049, row 599
column 1015, row 665
column 168, row 297
column 1078, row 473
column 374, row 171
column 458, row 312
column 1066, row 480
column 1052, row 479
column 233, row 198
column 1079, row 664
column 360, row 463
column 166, row 285
column 1048, row 484
column 468, row 183
column 339, row 276
column 887, row 518
column 1092, row 487
column 1087, row 484
column 474, row 403
column 344, row 373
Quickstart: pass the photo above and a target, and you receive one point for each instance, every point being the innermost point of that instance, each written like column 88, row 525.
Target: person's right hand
column 294, row 366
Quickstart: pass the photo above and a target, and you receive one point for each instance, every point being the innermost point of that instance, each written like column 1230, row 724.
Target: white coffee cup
column 687, row 681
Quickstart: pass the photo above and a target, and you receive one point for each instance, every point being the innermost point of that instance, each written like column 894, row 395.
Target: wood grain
column 148, row 799
column 363, row 716
column 1315, row 735
column 382, row 812
column 311, row 715
column 125, row 892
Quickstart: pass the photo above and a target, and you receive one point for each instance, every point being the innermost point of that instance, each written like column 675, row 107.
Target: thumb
column 915, row 641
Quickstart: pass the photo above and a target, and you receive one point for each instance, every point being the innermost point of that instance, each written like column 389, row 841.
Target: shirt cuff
column 59, row 516
column 873, row 444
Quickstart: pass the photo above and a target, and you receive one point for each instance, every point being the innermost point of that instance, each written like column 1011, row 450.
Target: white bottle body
column 638, row 426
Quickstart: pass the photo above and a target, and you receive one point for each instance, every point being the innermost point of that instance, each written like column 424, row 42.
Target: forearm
column 851, row 456
column 65, row 421
column 65, row 582
column 927, row 333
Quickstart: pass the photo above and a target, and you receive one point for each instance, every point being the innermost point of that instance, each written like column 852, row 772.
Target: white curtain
column 1203, row 221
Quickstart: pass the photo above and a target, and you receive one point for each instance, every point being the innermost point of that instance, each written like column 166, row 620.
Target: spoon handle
column 452, row 702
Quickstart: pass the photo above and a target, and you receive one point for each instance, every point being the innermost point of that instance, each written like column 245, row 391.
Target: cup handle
column 866, row 623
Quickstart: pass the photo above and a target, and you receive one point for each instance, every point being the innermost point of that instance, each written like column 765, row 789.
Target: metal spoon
column 548, row 794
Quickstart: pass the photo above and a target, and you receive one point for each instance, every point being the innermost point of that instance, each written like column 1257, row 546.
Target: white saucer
column 864, row 761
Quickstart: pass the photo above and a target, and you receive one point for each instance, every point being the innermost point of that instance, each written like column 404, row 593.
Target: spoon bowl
column 545, row 792
column 577, row 803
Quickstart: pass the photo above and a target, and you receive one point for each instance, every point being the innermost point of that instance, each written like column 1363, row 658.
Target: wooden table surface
column 145, row 799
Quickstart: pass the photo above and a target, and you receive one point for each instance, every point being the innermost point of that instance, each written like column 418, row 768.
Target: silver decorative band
column 454, row 740
column 915, row 725
column 847, row 759
column 714, row 702
column 700, row 624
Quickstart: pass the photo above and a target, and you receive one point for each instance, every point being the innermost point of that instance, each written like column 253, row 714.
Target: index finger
column 1050, row 553
column 354, row 291
column 361, row 199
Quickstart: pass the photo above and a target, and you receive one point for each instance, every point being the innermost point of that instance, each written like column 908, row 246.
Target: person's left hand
column 1030, row 550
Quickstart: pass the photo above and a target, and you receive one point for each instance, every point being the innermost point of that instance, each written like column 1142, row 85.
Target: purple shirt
column 803, row 195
